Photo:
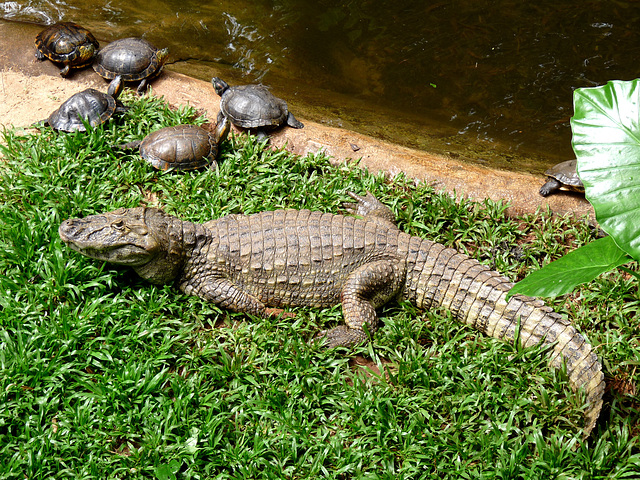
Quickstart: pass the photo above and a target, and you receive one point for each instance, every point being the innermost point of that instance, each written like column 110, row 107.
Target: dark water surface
column 489, row 81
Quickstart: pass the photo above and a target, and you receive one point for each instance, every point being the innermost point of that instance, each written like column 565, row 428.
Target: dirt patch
column 25, row 100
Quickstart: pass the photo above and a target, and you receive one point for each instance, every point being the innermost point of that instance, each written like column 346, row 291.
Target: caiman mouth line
column 135, row 255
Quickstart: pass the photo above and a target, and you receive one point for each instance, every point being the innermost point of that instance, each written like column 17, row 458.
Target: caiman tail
column 476, row 295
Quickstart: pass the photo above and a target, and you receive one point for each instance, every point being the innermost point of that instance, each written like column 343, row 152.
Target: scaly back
column 297, row 257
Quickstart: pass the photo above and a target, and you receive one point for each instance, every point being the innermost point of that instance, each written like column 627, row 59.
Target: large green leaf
column 606, row 140
column 577, row 267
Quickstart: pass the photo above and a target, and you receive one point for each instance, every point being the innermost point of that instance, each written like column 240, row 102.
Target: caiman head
column 144, row 238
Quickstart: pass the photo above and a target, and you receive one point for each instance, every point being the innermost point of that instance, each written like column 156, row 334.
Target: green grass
column 105, row 376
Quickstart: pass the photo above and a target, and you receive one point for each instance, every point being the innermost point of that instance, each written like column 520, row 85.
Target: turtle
column 130, row 59
column 89, row 106
column 183, row 147
column 562, row 176
column 67, row 43
column 253, row 107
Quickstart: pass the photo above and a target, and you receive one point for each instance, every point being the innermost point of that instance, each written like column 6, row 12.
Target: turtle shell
column 566, row 173
column 130, row 58
column 67, row 43
column 253, row 106
column 91, row 105
column 563, row 176
column 183, row 147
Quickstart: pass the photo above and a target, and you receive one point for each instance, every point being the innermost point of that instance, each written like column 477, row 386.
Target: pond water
column 488, row 81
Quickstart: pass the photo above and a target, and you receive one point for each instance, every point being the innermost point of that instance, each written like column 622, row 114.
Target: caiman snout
column 73, row 228
column 120, row 237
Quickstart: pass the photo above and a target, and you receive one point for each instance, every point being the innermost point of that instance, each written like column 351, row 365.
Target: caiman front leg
column 367, row 288
column 226, row 294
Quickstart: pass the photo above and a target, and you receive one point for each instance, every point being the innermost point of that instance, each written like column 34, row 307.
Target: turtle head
column 86, row 53
column 219, row 85
column 222, row 129
column 162, row 56
column 136, row 237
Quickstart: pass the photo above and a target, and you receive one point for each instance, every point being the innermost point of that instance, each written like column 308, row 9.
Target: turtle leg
column 261, row 135
column 66, row 70
column 293, row 122
column 115, row 87
column 550, row 187
column 142, row 87
column 40, row 56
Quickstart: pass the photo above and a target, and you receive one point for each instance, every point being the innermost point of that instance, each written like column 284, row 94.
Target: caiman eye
column 118, row 224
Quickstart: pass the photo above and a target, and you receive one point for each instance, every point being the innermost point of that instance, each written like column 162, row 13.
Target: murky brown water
column 487, row 80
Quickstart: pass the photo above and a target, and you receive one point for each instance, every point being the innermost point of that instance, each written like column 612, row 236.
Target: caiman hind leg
column 371, row 208
column 367, row 288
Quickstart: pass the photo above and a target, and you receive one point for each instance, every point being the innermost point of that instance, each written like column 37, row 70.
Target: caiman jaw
column 120, row 237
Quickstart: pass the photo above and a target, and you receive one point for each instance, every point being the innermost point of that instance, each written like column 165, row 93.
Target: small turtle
column 562, row 176
column 67, row 43
column 253, row 107
column 89, row 106
column 183, row 147
column 130, row 59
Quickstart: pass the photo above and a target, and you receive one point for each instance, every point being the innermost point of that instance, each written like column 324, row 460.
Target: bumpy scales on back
column 258, row 263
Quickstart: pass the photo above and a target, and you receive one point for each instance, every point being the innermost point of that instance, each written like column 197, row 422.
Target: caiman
column 259, row 263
